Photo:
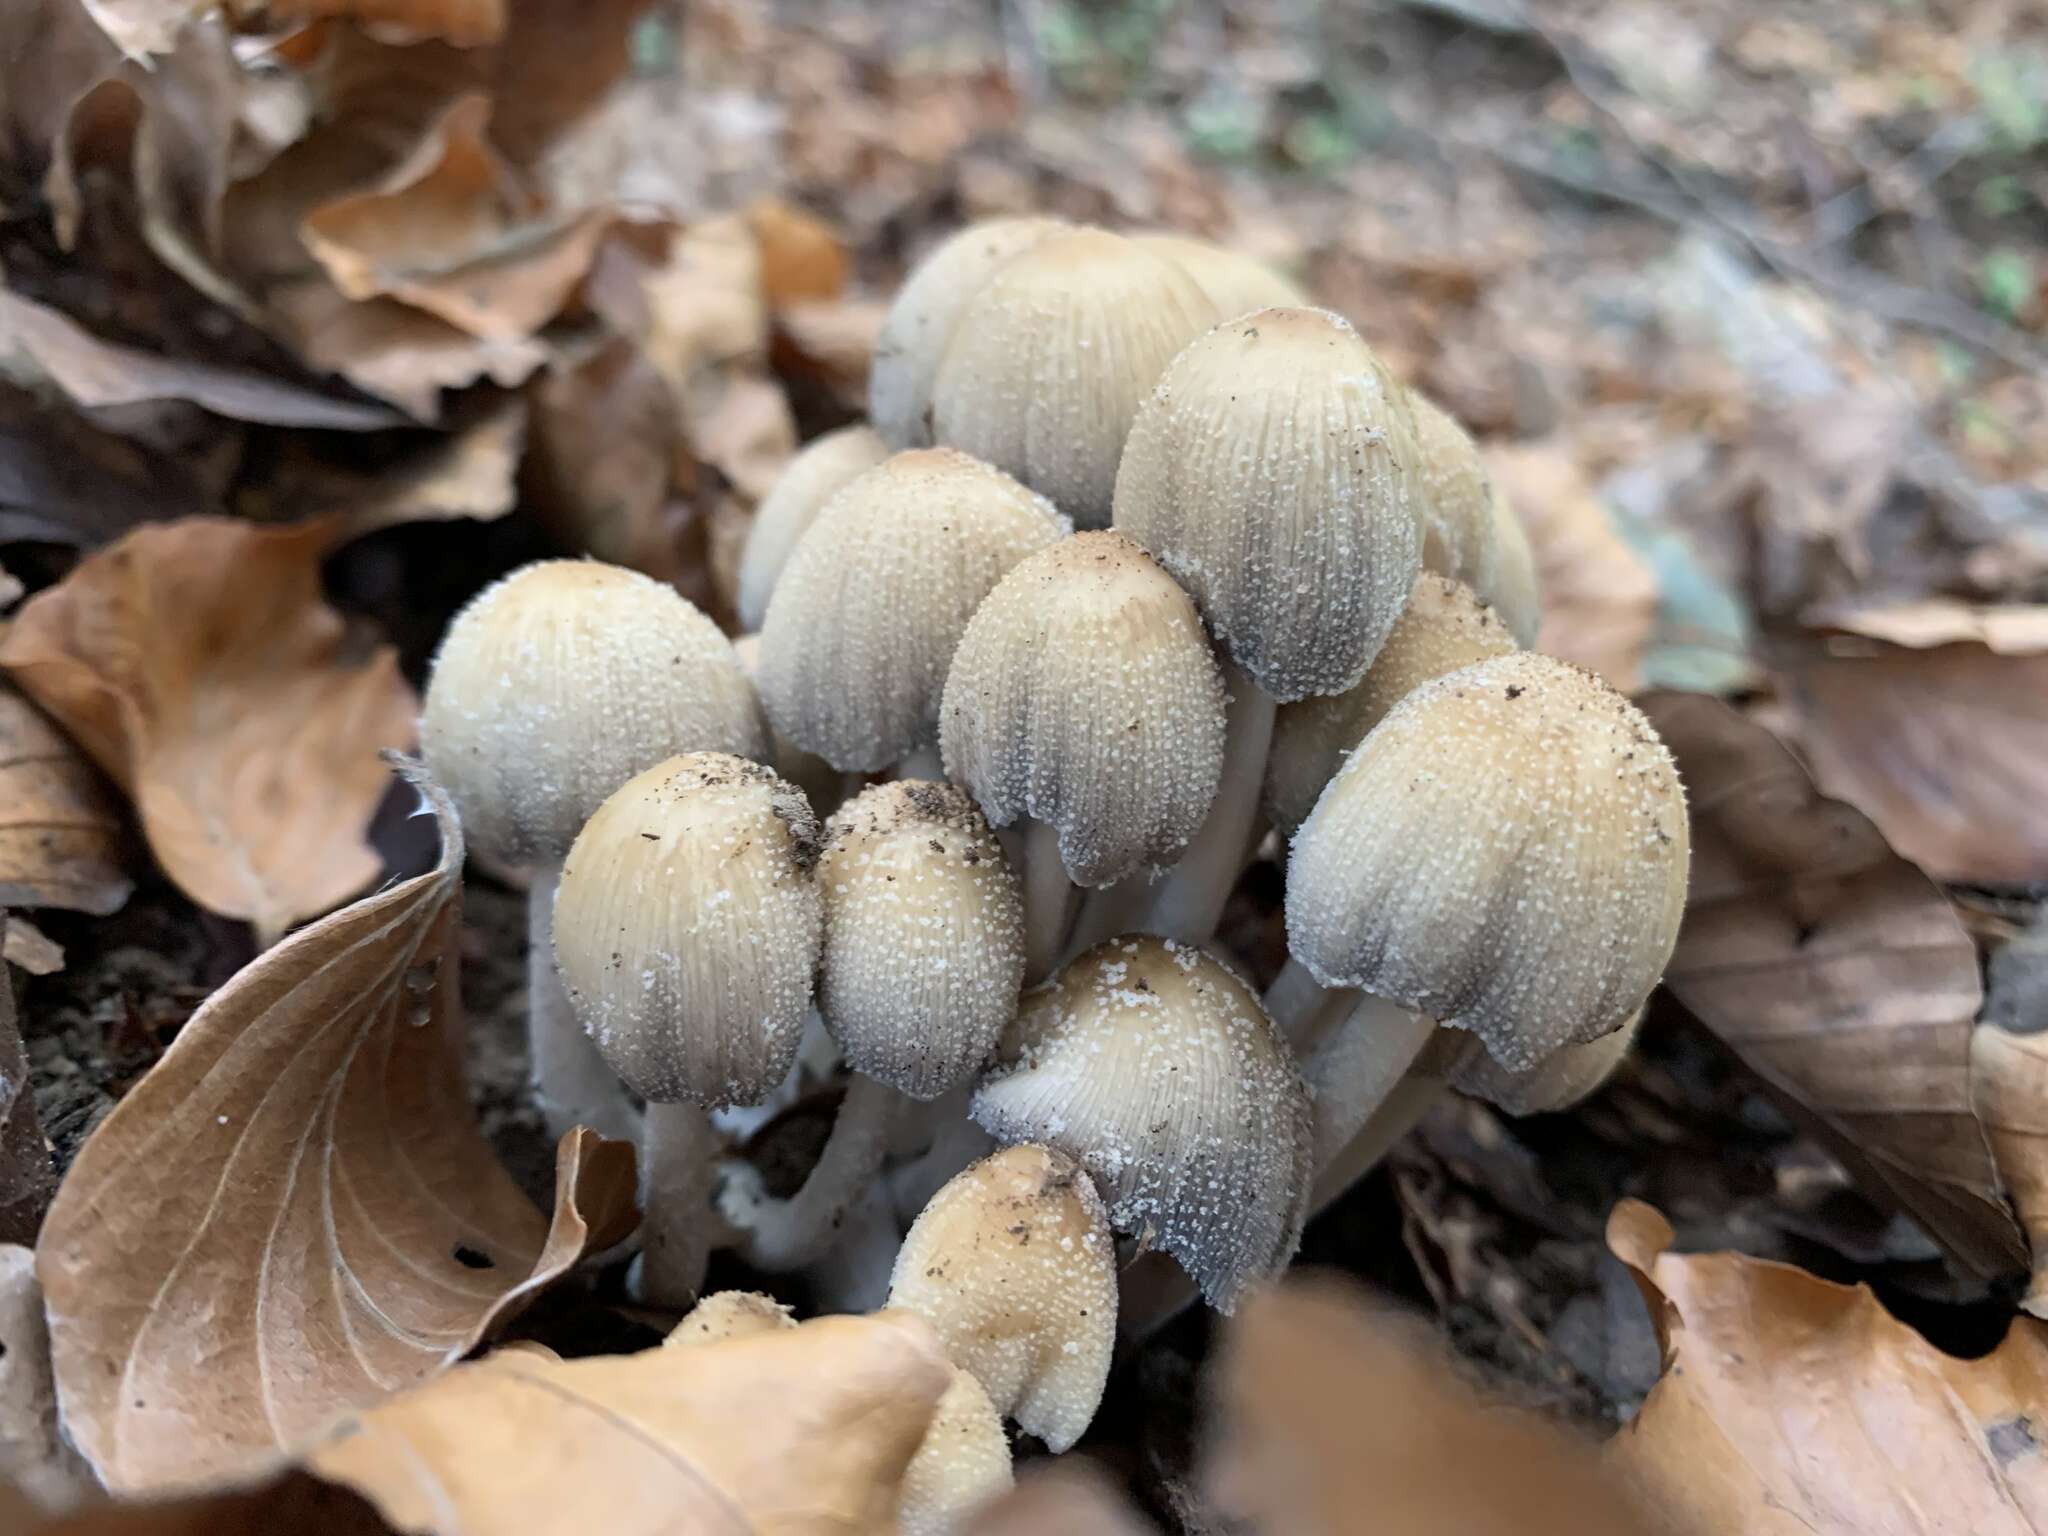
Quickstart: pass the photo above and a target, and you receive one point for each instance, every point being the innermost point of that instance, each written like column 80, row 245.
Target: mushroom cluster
column 956, row 826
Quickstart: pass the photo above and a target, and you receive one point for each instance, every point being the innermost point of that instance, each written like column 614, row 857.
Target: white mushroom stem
column 853, row 1276
column 572, row 1083
column 1339, row 1165
column 782, row 1235
column 1305, row 1009
column 959, row 1142
column 1358, row 1066
column 1048, row 901
column 678, row 1226
column 921, row 762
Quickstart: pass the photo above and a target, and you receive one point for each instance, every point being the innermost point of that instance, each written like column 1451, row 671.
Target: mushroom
column 551, row 688
column 863, row 623
column 1235, row 283
column 1444, row 627
column 922, row 959
column 1464, row 529
column 964, row 1460
column 1274, row 470
column 922, row 316
column 1013, row 1266
column 1153, row 1064
column 1047, row 364
column 1505, row 853
column 1084, row 699
column 792, row 504
column 1560, row 1080
column 687, row 930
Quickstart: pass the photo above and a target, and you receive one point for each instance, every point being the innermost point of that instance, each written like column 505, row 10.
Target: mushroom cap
column 687, row 928
column 921, row 319
column 1560, row 1080
column 863, row 623
column 1516, row 595
column 924, row 936
column 1274, row 471
column 1085, row 694
column 1235, row 283
column 1048, row 362
column 1154, row 1065
column 729, row 1315
column 1013, row 1266
column 963, row 1462
column 1506, row 852
column 1444, row 627
column 560, row 682
column 793, row 503
column 1463, row 537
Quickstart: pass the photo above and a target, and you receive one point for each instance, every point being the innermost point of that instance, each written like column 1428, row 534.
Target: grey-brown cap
column 1506, row 852
column 924, row 936
column 1049, row 360
column 863, row 623
column 1274, row 472
column 1013, row 1266
column 1154, row 1065
column 921, row 319
column 807, row 482
column 1560, row 1080
column 557, row 684
column 687, row 929
column 1444, row 627
column 1085, row 694
column 1463, row 532
column 1235, row 283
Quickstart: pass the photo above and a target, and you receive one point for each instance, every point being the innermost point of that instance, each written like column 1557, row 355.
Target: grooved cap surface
column 800, row 492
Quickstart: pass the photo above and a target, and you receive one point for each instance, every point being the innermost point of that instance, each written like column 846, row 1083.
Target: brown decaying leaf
column 60, row 826
column 1068, row 1495
column 2009, row 1084
column 1838, row 972
column 1599, row 596
column 27, row 948
column 1792, row 1406
column 604, row 444
column 471, row 474
column 198, row 664
column 832, row 341
column 802, row 260
column 464, row 23
column 1945, row 748
column 298, row 1196
column 1327, row 1409
column 2010, row 629
column 27, row 1179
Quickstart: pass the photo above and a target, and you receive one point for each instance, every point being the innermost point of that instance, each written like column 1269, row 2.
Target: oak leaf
column 198, row 664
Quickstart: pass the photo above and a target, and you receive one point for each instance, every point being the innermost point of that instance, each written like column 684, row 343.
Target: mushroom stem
column 1305, row 1009
column 1187, row 903
column 677, row 1153
column 1358, row 1068
column 1394, row 1116
column 1048, row 901
column 572, row 1083
column 921, row 762
column 782, row 1235
column 959, row 1142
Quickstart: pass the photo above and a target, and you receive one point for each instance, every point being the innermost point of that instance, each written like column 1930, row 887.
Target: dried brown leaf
column 92, row 372
column 1837, row 972
column 2010, row 629
column 1946, row 749
column 802, row 260
column 1069, row 1496
column 2009, row 1085
column 60, row 825
column 832, row 341
column 198, row 664
column 472, row 474
column 64, row 481
column 744, row 429
column 1599, row 596
column 298, row 1196
column 463, row 23
column 27, row 948
column 27, row 1178
column 1328, row 1408
column 1793, row 1405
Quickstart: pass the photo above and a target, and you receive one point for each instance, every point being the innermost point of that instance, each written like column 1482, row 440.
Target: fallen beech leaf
column 801, row 258
column 464, row 23
column 198, row 664
column 60, row 827
column 2010, row 629
column 1946, row 749
column 2009, row 1084
column 832, row 341
column 1790, row 1404
column 605, row 439
column 473, row 474
column 1838, row 972
column 28, row 948
column 745, row 431
column 64, row 481
column 297, row 1195
column 1599, row 596
column 705, row 304
column 1328, row 1408
column 27, row 1179
column 1068, row 1495
column 92, row 372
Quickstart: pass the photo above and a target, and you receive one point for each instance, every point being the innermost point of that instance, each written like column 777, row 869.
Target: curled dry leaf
column 1945, row 748
column 1599, row 596
column 298, row 1196
column 2009, row 1085
column 463, row 23
column 27, row 948
column 1790, row 1404
column 472, row 474
column 1838, row 973
column 2010, row 629
column 60, row 826
column 1327, row 1408
column 198, row 664
column 802, row 260
column 27, row 1179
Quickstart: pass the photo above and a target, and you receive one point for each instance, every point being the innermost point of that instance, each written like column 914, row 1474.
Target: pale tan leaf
column 294, row 1213
column 832, row 341
column 198, row 664
column 1328, row 1408
column 2009, row 1084
column 1599, row 596
column 27, row 948
column 798, row 1432
column 1838, row 972
column 1791, row 1406
column 1946, row 749
column 472, row 474
column 2010, row 629
column 60, row 826
column 744, row 429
